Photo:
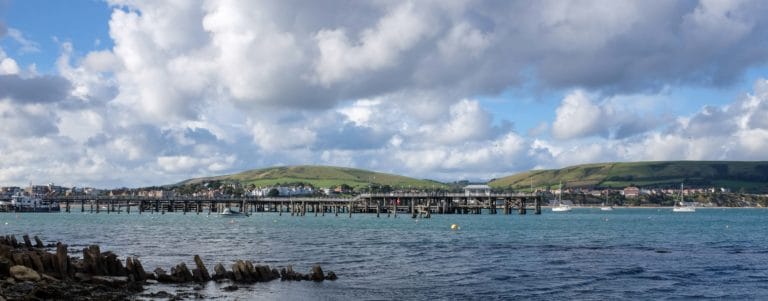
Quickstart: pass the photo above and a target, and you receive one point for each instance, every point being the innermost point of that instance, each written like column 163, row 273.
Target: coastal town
column 627, row 196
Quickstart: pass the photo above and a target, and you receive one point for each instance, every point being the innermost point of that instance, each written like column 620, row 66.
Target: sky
column 131, row 93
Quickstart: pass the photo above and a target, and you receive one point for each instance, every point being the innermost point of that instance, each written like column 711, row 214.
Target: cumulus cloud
column 43, row 89
column 200, row 87
column 583, row 115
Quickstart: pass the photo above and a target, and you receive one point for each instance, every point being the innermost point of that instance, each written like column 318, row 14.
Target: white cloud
column 207, row 87
column 7, row 64
column 578, row 117
column 380, row 47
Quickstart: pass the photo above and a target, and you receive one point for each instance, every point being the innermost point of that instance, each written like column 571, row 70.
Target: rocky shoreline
column 30, row 272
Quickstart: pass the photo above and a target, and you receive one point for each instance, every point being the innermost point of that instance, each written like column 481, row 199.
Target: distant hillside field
column 736, row 175
column 318, row 176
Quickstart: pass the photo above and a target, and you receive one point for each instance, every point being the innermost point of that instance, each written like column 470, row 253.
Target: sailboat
column 559, row 205
column 606, row 207
column 683, row 207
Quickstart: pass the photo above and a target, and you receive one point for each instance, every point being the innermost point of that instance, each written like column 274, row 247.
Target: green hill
column 318, row 176
column 737, row 175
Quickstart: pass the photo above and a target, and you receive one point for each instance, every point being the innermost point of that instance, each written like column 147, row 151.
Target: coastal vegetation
column 319, row 177
column 735, row 176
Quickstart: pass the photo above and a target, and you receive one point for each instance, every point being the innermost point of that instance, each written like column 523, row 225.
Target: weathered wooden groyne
column 31, row 272
column 413, row 204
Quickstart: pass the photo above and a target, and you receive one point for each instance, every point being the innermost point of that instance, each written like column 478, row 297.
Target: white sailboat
column 559, row 205
column 606, row 208
column 683, row 207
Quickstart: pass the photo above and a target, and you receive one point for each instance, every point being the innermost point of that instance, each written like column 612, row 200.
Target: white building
column 477, row 190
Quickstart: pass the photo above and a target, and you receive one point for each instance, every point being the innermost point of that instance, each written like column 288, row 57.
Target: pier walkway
column 415, row 204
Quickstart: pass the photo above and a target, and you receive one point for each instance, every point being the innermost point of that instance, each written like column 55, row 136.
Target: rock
column 331, row 276
column 83, row 277
column 204, row 276
column 267, row 274
column 22, row 273
column 139, row 272
column 38, row 243
column 240, row 271
column 111, row 281
column 230, row 288
column 5, row 267
column 317, row 273
column 162, row 276
column 113, row 265
column 92, row 261
column 27, row 242
column 219, row 272
column 37, row 263
column 181, row 273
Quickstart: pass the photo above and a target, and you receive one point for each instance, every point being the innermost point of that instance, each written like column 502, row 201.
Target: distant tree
column 273, row 192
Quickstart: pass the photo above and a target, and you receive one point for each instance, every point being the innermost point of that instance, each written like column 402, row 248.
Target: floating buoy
column 454, row 227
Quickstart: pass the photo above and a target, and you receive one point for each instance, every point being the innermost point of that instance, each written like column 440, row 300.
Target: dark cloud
column 44, row 89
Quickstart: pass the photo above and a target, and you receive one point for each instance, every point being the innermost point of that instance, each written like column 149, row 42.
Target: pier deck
column 415, row 204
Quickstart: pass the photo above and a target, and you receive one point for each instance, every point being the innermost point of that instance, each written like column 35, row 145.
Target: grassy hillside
column 736, row 175
column 318, row 176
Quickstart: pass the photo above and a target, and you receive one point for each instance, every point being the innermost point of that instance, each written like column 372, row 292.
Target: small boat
column 606, row 208
column 561, row 208
column 33, row 203
column 560, row 205
column 683, row 207
column 227, row 212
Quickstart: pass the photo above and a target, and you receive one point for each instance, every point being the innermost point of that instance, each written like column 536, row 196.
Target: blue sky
column 134, row 93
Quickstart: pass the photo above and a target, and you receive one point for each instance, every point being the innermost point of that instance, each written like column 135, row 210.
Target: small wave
column 629, row 271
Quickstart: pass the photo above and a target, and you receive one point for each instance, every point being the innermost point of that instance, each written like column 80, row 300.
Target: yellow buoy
column 454, row 227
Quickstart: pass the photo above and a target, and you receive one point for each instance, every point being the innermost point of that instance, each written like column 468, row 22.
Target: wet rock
column 37, row 263
column 230, row 288
column 219, row 272
column 204, row 275
column 331, row 276
column 38, row 243
column 162, row 276
column 317, row 274
column 181, row 273
column 22, row 273
column 138, row 270
column 83, row 277
column 93, row 262
column 27, row 242
column 113, row 265
column 240, row 271
column 5, row 267
column 111, row 281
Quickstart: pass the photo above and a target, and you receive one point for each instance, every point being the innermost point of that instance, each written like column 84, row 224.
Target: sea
column 586, row 254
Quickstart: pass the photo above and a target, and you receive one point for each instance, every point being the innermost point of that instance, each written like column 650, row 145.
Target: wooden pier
column 411, row 204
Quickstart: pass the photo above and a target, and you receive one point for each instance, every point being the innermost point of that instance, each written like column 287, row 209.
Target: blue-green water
column 584, row 254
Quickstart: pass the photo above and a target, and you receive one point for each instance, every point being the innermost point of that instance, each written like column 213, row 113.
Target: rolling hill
column 747, row 176
column 318, row 176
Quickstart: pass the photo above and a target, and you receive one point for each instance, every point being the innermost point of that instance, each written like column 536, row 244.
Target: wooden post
column 538, row 205
column 522, row 206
